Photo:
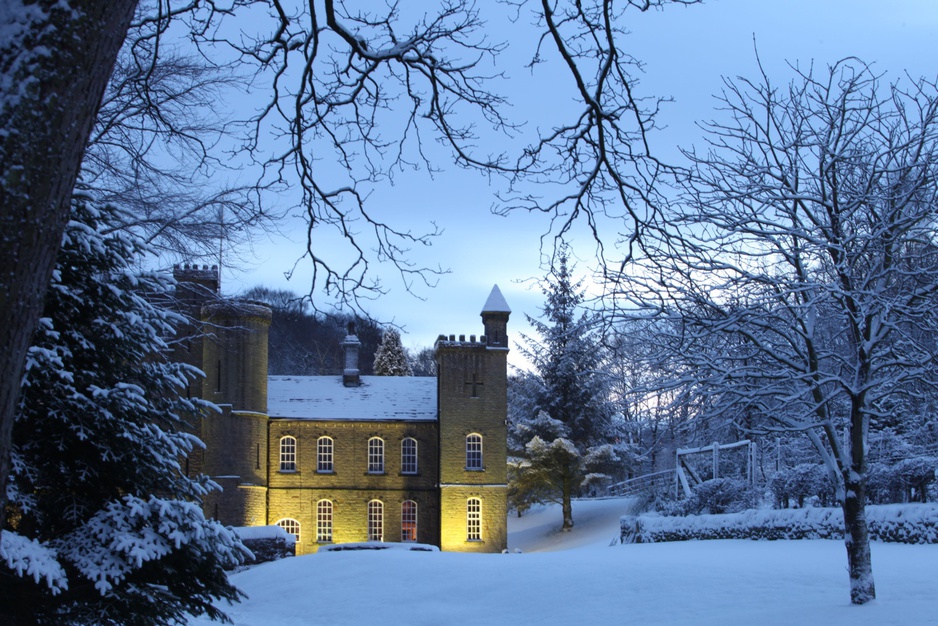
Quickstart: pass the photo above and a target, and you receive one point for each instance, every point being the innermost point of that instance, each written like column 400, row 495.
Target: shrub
column 805, row 483
column 906, row 481
column 720, row 495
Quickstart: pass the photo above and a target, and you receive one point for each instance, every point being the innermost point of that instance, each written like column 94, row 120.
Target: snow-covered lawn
column 576, row 578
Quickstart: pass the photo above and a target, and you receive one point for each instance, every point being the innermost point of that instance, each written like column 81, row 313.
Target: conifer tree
column 390, row 358
column 561, row 411
column 103, row 524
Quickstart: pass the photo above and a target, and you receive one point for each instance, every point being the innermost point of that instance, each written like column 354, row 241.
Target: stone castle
column 350, row 458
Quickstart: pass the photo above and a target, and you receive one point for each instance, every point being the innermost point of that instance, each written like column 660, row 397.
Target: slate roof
column 378, row 398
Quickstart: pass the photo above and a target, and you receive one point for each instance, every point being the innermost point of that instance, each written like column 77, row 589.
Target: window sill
column 409, row 474
column 374, row 473
column 325, row 471
column 475, row 469
column 283, row 471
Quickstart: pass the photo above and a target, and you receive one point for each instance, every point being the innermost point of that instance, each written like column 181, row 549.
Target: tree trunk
column 54, row 67
column 857, row 540
column 566, row 498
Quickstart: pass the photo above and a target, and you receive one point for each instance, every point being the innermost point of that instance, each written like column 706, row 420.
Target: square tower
column 472, row 379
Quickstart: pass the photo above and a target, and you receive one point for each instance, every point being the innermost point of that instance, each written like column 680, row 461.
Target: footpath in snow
column 577, row 578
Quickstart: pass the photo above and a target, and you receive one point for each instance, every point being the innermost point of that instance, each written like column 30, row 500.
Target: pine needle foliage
column 99, row 488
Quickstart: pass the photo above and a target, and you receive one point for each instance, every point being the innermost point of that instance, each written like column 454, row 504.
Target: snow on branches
column 108, row 525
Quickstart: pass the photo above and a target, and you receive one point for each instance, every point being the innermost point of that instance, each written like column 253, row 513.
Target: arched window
column 324, row 447
column 474, row 519
column 409, row 456
column 288, row 454
column 376, row 520
column 474, row 452
column 324, row 521
column 409, row 521
column 376, row 455
column 291, row 526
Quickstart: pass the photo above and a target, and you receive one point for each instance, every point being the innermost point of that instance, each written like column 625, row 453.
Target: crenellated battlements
column 450, row 341
column 195, row 271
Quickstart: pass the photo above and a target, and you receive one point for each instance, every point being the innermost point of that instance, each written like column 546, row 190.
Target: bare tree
column 802, row 269
column 161, row 149
column 598, row 166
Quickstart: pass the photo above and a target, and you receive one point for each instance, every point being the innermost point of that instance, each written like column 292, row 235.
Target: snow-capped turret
column 495, row 314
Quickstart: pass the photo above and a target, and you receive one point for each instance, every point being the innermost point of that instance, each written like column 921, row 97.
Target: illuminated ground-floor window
column 409, row 521
column 291, row 526
column 376, row 520
column 324, row 521
column 474, row 519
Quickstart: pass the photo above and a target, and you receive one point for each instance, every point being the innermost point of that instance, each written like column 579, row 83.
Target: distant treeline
column 307, row 343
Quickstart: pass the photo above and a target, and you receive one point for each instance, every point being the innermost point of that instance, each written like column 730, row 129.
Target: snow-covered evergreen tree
column 103, row 525
column 390, row 358
column 561, row 411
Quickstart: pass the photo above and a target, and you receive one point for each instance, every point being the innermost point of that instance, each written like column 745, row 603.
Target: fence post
column 677, row 471
column 716, row 460
column 751, row 463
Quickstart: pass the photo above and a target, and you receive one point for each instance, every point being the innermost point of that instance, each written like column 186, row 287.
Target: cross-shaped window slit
column 474, row 386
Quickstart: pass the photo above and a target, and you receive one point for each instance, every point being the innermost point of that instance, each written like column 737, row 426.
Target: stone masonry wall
column 473, row 399
column 349, row 486
column 453, row 504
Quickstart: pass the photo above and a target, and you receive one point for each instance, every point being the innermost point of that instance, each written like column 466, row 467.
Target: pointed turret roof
column 496, row 302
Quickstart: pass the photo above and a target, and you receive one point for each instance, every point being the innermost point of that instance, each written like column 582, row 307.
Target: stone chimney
column 350, row 376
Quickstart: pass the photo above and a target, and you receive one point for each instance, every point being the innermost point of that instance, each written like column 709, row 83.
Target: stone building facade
column 350, row 458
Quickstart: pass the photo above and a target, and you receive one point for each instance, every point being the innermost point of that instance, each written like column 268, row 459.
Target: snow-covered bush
column 915, row 476
column 719, row 495
column 97, row 485
column 909, row 480
column 882, row 485
column 267, row 543
column 804, row 484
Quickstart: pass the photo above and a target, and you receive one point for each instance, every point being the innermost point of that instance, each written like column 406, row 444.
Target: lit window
column 474, row 452
column 474, row 519
column 324, row 521
column 291, row 526
column 324, row 454
column 409, row 456
column 376, row 520
column 288, row 454
column 409, row 521
column 376, row 455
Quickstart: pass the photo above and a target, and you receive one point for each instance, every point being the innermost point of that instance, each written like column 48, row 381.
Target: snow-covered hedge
column 266, row 543
column 900, row 523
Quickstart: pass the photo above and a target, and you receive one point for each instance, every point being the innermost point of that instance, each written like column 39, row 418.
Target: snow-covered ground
column 577, row 578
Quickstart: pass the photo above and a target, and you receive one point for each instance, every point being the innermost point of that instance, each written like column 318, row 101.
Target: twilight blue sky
column 686, row 51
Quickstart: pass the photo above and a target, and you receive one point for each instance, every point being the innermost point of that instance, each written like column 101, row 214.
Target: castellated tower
column 234, row 358
column 195, row 286
column 473, row 407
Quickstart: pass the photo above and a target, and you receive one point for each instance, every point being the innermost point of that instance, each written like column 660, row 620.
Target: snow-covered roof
column 496, row 302
column 378, row 398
